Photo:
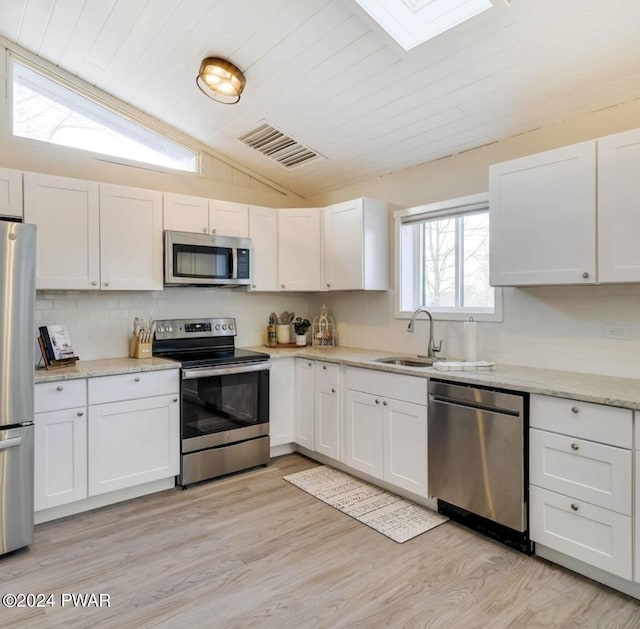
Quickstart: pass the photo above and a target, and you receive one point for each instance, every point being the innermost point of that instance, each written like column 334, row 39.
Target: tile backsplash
column 100, row 323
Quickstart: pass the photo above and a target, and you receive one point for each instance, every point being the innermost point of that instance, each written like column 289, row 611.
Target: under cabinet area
column 581, row 481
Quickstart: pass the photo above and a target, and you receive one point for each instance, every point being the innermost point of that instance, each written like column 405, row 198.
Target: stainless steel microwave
column 205, row 260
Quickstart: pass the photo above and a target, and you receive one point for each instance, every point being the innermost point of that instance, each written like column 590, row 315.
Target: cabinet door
column 133, row 442
column 405, row 445
column 597, row 536
column 60, row 452
column 305, row 407
column 343, row 246
column 185, row 213
column 281, row 401
column 228, row 219
column 130, row 238
column 66, row 212
column 10, row 193
column 263, row 231
column 543, row 218
column 364, row 438
column 618, row 211
column 636, row 571
column 299, row 249
column 327, row 419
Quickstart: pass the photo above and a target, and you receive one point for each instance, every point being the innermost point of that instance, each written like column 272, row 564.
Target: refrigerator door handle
column 10, row 443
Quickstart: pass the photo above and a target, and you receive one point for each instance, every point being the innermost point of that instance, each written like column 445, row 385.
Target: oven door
column 224, row 405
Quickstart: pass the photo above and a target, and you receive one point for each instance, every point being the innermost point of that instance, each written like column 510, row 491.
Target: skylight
column 413, row 22
column 46, row 110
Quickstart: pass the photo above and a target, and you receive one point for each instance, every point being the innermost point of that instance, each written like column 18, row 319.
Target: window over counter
column 47, row 110
column 443, row 260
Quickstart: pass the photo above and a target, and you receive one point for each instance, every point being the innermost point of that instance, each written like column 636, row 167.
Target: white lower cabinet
column 60, row 455
column 386, row 437
column 304, row 429
column 580, row 468
column 599, row 537
column 327, row 419
column 133, row 442
column 281, row 401
column 60, row 443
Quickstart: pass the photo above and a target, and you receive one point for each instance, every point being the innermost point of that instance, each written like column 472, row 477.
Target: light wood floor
column 253, row 551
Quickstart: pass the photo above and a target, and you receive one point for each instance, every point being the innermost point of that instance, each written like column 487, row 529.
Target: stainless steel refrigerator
column 17, row 339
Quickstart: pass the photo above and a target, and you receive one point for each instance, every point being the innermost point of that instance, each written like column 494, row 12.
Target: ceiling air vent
column 280, row 147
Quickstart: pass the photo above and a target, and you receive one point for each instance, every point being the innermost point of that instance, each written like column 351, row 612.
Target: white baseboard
column 627, row 587
column 94, row 502
column 282, row 449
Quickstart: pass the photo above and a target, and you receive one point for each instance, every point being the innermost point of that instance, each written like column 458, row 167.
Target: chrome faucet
column 431, row 346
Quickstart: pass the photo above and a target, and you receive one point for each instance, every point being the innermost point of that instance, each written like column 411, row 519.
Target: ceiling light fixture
column 221, row 80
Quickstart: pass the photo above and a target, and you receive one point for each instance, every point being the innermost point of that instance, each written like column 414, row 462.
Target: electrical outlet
column 620, row 332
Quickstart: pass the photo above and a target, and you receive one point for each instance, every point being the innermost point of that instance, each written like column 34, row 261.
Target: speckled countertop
column 104, row 367
column 596, row 388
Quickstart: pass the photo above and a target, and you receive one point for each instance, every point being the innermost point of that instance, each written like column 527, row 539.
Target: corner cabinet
column 543, row 218
column 94, row 236
column 299, row 249
column 10, row 193
column 356, row 245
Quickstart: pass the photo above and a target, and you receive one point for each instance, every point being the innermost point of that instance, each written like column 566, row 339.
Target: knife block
column 138, row 349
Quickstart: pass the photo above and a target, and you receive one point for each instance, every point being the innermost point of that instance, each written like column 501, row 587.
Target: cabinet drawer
column 390, row 385
column 596, row 422
column 328, row 373
column 130, row 386
column 597, row 536
column 58, row 395
column 582, row 469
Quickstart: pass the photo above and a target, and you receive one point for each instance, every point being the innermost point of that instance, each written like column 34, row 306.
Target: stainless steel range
column 225, row 397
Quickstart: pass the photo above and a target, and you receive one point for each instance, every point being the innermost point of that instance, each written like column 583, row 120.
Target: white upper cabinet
column 66, row 212
column 130, row 238
column 299, row 249
column 186, row 213
column 205, row 216
column 10, row 193
column 356, row 245
column 263, row 231
column 543, row 218
column 228, row 219
column 619, row 207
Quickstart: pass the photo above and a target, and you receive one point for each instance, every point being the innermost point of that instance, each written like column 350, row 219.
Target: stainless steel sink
column 407, row 361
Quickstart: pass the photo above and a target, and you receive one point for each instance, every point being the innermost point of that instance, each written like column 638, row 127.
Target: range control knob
column 224, row 326
column 217, row 326
column 168, row 329
column 231, row 326
column 160, row 329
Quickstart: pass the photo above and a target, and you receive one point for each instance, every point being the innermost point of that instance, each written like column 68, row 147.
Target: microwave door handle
column 234, row 263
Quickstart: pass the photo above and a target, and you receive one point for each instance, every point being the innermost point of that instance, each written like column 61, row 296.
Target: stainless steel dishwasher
column 477, row 448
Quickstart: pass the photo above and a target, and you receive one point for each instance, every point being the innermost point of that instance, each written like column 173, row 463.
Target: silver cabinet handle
column 328, row 285
column 377, row 401
column 309, row 365
column 59, row 388
column 106, row 283
column 80, row 413
column 575, row 446
column 205, row 230
column 253, row 285
column 333, row 390
column 175, row 399
column 281, row 285
column 585, row 275
column 574, row 506
column 136, row 379
column 324, row 367
column 94, row 283
column 384, row 404
column 213, row 231
column 575, row 410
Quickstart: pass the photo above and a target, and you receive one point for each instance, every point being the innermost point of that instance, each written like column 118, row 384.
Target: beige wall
column 559, row 327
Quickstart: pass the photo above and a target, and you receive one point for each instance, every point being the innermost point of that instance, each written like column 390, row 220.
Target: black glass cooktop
column 209, row 358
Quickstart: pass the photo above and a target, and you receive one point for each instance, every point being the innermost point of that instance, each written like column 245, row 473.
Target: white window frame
column 12, row 58
column 442, row 209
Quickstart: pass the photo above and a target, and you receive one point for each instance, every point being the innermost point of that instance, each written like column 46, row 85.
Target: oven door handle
column 207, row 372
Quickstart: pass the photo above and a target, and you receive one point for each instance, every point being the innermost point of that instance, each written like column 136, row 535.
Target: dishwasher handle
column 500, row 401
column 474, row 406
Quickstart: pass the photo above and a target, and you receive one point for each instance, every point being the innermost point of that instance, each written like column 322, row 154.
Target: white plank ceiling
column 324, row 73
